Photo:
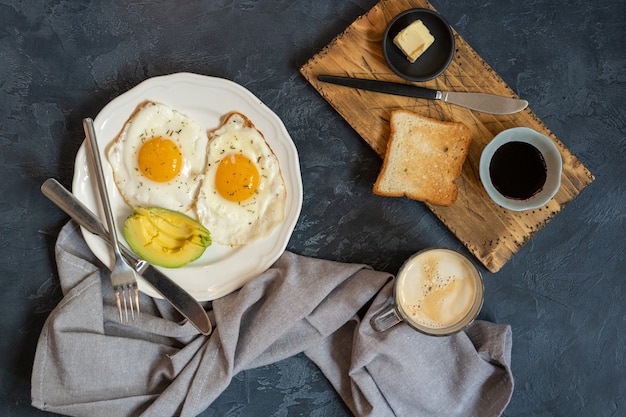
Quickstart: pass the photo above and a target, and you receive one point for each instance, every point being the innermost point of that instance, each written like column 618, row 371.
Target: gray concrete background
column 563, row 293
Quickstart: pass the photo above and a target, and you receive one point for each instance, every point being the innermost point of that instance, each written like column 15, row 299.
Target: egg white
column 240, row 223
column 150, row 120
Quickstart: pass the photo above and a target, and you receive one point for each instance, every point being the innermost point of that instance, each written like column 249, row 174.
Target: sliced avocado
column 165, row 237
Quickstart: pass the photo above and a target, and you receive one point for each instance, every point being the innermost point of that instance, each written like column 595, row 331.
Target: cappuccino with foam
column 438, row 291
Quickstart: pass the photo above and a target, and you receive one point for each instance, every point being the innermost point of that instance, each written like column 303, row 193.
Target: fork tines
column 125, row 297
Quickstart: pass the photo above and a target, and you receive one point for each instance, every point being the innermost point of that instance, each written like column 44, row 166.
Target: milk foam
column 436, row 288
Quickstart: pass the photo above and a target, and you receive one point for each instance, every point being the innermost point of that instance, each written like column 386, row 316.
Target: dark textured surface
column 563, row 293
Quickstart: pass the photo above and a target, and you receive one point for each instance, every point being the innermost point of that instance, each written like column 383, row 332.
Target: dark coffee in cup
column 518, row 170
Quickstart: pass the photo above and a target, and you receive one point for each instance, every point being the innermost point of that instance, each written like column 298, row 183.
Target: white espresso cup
column 506, row 169
column 437, row 292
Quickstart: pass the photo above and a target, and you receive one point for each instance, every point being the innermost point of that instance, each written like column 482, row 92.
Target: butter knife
column 172, row 292
column 486, row 103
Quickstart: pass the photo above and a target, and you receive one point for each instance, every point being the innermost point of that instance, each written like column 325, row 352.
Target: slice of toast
column 424, row 157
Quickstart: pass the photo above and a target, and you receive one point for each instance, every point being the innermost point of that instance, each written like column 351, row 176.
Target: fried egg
column 242, row 197
column 159, row 157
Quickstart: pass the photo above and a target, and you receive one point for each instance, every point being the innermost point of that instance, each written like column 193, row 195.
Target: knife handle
column 407, row 90
column 66, row 201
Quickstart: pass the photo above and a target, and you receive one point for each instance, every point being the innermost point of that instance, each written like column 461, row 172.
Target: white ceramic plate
column 221, row 269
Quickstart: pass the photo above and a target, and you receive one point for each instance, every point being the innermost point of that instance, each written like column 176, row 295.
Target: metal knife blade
column 172, row 292
column 487, row 103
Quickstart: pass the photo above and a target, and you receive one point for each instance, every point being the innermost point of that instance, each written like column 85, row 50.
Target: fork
column 123, row 277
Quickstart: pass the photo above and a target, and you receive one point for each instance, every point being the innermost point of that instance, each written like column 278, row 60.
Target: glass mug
column 437, row 292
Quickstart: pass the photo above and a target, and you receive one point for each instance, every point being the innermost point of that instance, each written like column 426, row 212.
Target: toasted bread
column 423, row 159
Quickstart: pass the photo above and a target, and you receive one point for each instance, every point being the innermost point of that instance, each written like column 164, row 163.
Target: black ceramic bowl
column 434, row 60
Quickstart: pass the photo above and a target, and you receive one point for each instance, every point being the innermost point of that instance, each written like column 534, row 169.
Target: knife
column 172, row 292
column 487, row 103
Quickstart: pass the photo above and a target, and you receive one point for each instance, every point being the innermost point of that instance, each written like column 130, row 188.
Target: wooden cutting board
column 492, row 234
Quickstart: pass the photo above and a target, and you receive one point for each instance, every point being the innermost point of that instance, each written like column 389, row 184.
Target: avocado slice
column 165, row 237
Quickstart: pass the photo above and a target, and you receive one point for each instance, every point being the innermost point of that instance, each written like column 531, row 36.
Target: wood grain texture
column 491, row 233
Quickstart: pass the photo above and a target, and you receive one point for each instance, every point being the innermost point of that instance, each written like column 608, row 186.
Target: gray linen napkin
column 87, row 364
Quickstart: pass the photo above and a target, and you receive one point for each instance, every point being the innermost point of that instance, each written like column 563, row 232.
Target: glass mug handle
column 385, row 318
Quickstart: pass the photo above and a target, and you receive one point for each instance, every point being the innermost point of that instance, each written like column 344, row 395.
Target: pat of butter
column 413, row 40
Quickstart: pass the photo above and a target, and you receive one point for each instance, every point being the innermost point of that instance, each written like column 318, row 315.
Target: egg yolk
column 160, row 159
column 236, row 178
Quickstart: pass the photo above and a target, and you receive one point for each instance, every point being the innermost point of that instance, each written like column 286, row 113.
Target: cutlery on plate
column 487, row 103
column 123, row 277
column 172, row 292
